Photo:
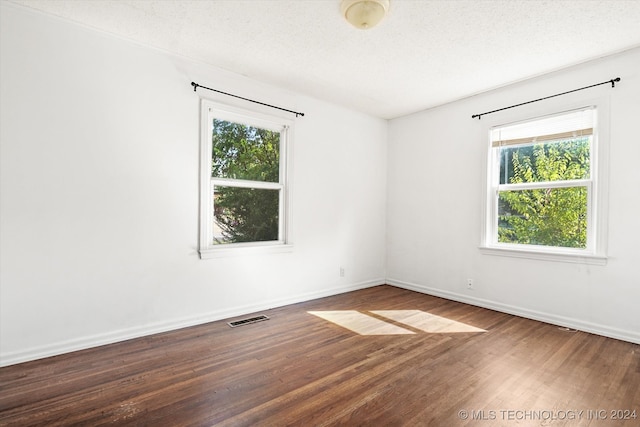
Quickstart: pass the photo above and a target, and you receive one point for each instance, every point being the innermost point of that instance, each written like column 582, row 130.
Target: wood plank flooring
column 300, row 369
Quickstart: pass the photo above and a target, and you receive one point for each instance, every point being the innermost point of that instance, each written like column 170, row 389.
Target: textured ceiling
column 423, row 54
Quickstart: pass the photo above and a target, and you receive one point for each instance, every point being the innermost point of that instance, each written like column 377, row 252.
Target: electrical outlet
column 341, row 271
column 470, row 284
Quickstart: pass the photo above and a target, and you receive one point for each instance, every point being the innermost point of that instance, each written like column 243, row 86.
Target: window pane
column 549, row 217
column 244, row 152
column 245, row 215
column 575, row 123
column 562, row 160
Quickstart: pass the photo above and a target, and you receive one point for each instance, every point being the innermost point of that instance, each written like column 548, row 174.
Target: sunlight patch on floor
column 360, row 323
column 426, row 322
column 365, row 324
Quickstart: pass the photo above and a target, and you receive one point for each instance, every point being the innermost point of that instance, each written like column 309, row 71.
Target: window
column 243, row 180
column 542, row 186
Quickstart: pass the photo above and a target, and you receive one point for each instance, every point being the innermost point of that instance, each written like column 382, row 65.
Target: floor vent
column 247, row 321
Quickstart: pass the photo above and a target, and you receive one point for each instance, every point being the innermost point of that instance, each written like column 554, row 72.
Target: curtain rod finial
column 195, row 86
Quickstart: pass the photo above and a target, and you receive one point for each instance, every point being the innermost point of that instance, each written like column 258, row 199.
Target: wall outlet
column 341, row 271
column 470, row 284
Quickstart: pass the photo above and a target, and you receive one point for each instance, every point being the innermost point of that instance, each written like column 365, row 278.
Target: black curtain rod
column 196, row 86
column 612, row 81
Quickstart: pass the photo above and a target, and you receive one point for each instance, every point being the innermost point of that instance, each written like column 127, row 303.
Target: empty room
column 319, row 213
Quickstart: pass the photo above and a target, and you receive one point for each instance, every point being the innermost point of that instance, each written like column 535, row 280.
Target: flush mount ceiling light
column 364, row 14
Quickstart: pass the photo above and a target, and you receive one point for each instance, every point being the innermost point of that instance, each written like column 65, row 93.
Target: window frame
column 597, row 186
column 207, row 249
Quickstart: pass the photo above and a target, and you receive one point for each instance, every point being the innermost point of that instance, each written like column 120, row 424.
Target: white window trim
column 597, row 186
column 209, row 110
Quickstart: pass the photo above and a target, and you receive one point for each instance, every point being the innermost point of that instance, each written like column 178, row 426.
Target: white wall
column 436, row 161
column 99, row 194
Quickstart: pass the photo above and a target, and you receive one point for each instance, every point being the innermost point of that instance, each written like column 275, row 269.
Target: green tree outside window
column 544, row 216
column 242, row 152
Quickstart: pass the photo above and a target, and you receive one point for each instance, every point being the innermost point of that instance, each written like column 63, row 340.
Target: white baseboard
column 154, row 328
column 594, row 328
column 137, row 332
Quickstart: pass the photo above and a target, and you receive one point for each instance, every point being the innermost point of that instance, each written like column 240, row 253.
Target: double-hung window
column 542, row 186
column 243, row 180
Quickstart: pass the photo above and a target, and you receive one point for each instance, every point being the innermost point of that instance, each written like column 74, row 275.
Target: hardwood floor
column 300, row 369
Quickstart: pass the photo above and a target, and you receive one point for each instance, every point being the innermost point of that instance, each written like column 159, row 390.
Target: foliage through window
column 541, row 183
column 242, row 154
column 245, row 194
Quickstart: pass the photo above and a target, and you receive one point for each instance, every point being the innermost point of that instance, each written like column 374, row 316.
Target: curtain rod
column 196, row 86
column 612, row 81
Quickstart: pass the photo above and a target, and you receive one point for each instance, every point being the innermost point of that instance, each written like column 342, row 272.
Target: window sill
column 579, row 258
column 244, row 250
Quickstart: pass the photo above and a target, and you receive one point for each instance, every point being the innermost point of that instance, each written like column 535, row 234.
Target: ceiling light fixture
column 364, row 14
